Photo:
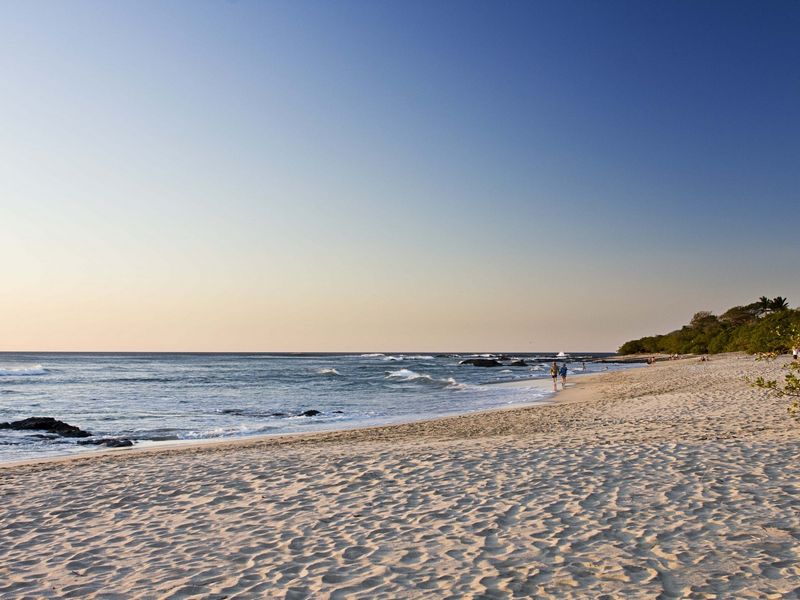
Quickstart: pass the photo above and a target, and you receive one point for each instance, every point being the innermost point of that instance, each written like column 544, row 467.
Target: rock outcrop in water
column 481, row 362
column 310, row 413
column 108, row 442
column 48, row 424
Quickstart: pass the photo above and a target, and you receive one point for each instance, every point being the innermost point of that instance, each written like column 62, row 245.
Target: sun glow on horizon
column 356, row 177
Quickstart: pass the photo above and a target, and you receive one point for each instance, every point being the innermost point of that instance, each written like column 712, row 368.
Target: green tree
column 739, row 315
column 763, row 326
column 702, row 318
column 778, row 304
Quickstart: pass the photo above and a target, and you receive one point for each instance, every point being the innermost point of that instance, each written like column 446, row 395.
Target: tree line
column 767, row 325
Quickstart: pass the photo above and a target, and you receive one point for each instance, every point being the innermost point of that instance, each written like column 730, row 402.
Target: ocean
column 157, row 398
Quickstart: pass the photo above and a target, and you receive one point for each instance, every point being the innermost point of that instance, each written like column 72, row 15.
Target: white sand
column 676, row 480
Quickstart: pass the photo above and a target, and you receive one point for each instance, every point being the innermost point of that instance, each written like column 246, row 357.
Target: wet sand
column 674, row 480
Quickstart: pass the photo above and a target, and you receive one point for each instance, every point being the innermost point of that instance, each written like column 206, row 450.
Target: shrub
column 790, row 387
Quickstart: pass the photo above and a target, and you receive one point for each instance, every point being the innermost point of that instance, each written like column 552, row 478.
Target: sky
column 367, row 176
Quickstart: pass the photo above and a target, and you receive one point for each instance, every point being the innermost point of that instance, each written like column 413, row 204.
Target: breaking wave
column 219, row 432
column 35, row 370
column 409, row 375
column 329, row 372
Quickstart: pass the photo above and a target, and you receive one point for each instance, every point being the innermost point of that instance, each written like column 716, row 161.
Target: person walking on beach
column 794, row 353
column 554, row 375
column 563, row 373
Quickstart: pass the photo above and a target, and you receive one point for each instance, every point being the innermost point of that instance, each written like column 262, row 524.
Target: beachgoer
column 563, row 373
column 794, row 353
column 554, row 375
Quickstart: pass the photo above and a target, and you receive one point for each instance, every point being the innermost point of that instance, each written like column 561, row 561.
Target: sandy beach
column 670, row 481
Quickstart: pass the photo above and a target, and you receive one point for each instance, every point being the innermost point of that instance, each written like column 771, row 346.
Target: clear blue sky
column 392, row 175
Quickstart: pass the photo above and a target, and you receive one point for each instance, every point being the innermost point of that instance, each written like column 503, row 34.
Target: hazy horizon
column 355, row 177
column 385, row 351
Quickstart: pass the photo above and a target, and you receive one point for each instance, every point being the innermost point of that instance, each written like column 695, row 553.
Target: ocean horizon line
column 311, row 352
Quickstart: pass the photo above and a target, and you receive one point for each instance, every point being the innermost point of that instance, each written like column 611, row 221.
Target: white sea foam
column 409, row 375
column 330, row 372
column 419, row 357
column 402, row 374
column 373, row 355
column 219, row 432
column 35, row 370
column 392, row 358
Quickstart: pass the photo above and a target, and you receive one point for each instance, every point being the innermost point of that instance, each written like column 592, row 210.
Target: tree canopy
column 768, row 325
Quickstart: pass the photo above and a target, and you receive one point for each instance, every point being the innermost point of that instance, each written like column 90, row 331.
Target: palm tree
column 778, row 303
column 764, row 305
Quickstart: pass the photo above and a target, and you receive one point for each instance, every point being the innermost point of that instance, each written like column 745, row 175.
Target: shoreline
column 290, row 438
column 675, row 480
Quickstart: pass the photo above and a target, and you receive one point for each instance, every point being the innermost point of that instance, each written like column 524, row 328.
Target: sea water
column 151, row 398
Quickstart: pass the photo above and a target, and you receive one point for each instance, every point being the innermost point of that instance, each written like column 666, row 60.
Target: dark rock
column 518, row 363
column 278, row 415
column 48, row 424
column 232, row 411
column 338, row 412
column 108, row 442
column 310, row 413
column 123, row 443
column 481, row 362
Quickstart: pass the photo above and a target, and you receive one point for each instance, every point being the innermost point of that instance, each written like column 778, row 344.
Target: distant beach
column 673, row 480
